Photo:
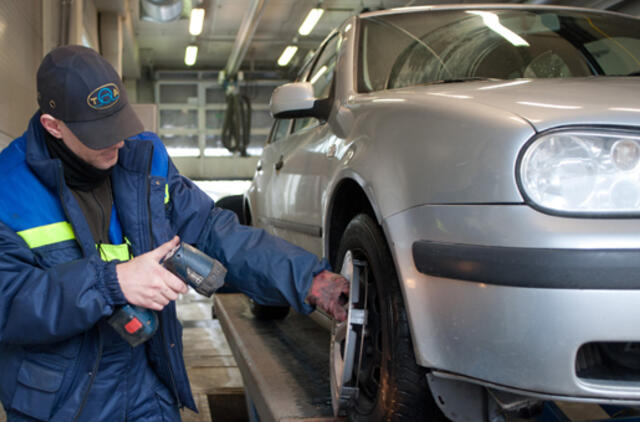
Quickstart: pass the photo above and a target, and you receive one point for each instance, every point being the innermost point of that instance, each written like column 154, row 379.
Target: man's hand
column 329, row 292
column 144, row 282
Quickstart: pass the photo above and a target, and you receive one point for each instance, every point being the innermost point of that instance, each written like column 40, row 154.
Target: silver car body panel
column 550, row 103
column 471, row 134
column 437, row 163
column 524, row 338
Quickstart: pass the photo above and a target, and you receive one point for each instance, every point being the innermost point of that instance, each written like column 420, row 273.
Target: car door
column 300, row 167
column 261, row 206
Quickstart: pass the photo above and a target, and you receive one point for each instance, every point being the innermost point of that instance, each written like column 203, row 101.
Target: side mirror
column 295, row 100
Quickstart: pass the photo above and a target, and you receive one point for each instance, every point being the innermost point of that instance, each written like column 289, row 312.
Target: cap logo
column 104, row 96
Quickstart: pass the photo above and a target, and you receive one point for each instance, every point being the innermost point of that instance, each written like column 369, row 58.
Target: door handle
column 278, row 165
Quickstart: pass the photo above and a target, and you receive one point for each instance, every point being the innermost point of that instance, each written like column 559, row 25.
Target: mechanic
column 89, row 205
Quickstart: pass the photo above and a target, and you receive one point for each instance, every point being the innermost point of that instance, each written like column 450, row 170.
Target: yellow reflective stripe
column 47, row 235
column 166, row 194
column 110, row 252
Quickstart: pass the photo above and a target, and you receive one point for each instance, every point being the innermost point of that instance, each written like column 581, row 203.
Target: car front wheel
column 391, row 386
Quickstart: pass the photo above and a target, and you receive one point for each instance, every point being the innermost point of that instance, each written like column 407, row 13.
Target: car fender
column 342, row 176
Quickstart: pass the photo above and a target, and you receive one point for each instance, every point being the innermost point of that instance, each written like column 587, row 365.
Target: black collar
column 78, row 174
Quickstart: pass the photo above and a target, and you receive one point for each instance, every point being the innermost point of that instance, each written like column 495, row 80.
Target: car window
column 614, row 55
column 279, row 130
column 304, row 122
column 321, row 77
column 321, row 74
column 409, row 49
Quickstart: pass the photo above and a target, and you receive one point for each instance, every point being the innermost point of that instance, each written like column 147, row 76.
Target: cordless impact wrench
column 198, row 270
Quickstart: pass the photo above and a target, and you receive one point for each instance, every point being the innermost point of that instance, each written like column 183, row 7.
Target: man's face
column 98, row 158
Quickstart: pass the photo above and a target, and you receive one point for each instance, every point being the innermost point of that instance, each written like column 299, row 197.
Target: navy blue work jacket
column 53, row 294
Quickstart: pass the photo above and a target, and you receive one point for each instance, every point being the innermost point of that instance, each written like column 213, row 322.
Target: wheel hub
column 347, row 339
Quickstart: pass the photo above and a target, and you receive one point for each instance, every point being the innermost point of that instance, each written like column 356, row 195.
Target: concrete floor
column 214, row 375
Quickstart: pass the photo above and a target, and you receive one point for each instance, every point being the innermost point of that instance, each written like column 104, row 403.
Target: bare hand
column 144, row 282
column 329, row 292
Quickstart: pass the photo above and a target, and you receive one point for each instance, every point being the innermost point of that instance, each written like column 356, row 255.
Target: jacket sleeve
column 264, row 267
column 47, row 305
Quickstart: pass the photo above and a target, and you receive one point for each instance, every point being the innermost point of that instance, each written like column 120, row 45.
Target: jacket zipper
column 94, row 372
column 85, row 396
column 164, row 341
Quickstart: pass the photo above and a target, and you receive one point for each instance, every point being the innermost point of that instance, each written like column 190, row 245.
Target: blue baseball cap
column 78, row 86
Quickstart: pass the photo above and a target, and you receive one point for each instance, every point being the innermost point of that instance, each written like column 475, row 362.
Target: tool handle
column 134, row 324
column 197, row 269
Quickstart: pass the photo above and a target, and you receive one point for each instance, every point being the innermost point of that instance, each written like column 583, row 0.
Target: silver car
column 474, row 170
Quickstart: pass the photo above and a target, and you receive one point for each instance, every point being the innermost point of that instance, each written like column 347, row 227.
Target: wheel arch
column 348, row 199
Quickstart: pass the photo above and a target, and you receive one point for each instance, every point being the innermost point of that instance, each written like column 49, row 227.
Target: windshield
column 409, row 49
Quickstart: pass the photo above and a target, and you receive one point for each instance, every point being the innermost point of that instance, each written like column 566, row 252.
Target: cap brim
column 105, row 132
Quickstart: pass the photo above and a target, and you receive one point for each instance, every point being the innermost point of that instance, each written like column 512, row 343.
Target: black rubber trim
column 530, row 267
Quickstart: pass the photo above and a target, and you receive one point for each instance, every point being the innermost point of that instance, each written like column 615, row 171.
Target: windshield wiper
column 456, row 80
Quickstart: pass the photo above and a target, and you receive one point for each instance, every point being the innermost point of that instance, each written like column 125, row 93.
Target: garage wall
column 28, row 30
column 21, row 46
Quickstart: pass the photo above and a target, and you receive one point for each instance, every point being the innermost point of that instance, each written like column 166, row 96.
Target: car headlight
column 582, row 172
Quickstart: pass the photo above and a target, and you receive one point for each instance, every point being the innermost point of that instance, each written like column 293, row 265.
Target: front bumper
column 497, row 294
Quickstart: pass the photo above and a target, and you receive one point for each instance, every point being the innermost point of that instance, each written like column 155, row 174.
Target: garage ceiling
column 162, row 45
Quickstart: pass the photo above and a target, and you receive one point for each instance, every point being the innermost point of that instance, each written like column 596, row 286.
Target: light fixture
column 287, row 55
column 190, row 55
column 310, row 21
column 492, row 21
column 196, row 21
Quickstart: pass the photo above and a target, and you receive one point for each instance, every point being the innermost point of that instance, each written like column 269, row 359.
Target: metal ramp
column 285, row 369
column 284, row 364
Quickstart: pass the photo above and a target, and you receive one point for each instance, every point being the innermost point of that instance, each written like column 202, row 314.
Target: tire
column 264, row 312
column 392, row 387
column 233, row 203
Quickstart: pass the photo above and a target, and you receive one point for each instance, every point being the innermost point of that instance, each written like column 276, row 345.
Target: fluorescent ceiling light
column 492, row 21
column 310, row 21
column 287, row 55
column 190, row 55
column 196, row 22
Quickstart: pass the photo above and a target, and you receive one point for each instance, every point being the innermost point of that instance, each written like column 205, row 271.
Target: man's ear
column 51, row 125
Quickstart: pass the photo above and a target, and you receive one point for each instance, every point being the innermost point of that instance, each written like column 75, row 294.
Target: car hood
column 548, row 103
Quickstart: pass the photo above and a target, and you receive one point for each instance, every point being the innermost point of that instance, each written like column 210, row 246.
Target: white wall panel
column 20, row 55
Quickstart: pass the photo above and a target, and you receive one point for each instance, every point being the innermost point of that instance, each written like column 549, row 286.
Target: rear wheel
column 392, row 387
column 233, row 203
